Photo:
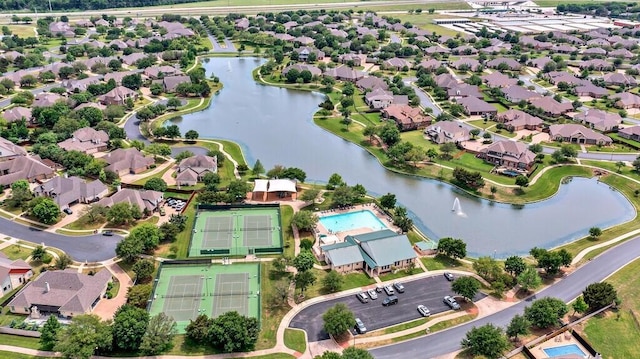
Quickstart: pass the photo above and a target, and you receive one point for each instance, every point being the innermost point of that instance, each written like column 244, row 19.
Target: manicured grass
column 356, row 280
column 295, row 339
column 406, row 325
column 11, row 355
column 271, row 314
column 18, row 341
column 286, row 213
column 14, row 252
column 615, row 333
column 6, row 317
column 440, row 262
column 399, row 274
column 22, row 31
column 83, row 223
column 142, row 181
column 183, row 238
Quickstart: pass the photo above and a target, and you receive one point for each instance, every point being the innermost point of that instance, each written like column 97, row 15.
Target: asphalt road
column 93, row 248
column 427, row 291
column 567, row 289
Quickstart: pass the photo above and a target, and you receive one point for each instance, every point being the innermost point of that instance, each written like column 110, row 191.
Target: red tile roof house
column 510, row 63
column 86, row 140
column 193, row 169
column 510, row 154
column 28, row 168
column 125, row 161
column 13, row 273
column 516, row 120
column 515, row 94
column 574, row 133
column 147, row 201
column 17, row 114
column 551, row 107
column 627, row 100
column 407, row 117
column 447, row 131
column 66, row 293
column 68, row 191
column 631, row 133
column 117, row 96
column 497, row 79
column 599, row 120
column 464, row 90
column 476, row 107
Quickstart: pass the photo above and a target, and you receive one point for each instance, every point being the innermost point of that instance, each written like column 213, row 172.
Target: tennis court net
column 245, row 229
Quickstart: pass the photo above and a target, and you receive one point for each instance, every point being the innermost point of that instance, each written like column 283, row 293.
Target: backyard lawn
column 14, row 252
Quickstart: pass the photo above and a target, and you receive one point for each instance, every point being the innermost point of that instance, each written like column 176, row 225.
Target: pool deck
column 383, row 217
column 559, row 340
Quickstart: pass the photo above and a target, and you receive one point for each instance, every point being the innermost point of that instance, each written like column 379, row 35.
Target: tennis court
column 185, row 290
column 235, row 231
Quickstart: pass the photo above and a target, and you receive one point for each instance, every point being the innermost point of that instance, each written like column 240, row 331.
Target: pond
column 275, row 125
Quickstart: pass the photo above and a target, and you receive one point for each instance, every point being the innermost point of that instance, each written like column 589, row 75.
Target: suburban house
column 64, row 293
column 75, row 86
column 574, row 133
column 302, row 67
column 13, row 273
column 274, row 189
column 118, row 96
column 618, row 79
column 69, row 191
column 551, row 107
column 509, row 154
column 345, row 73
column 446, row 81
column 378, row 98
column 430, row 64
column 86, row 140
column 470, row 63
column 516, row 120
column 46, row 99
column 447, row 131
column 407, row 117
column 29, row 168
column 131, row 59
column 169, row 83
column 474, row 106
column 497, row 79
column 117, row 76
column 599, row 120
column 354, row 59
column 192, row 169
column 158, row 72
column 375, row 253
column 540, row 62
column 596, row 64
column 627, row 100
column 125, row 161
column 591, row 90
column 515, row 94
column 510, row 64
column 396, row 63
column 304, row 52
column 61, row 28
column 146, row 200
column 464, row 90
column 9, row 150
column 631, row 133
column 372, row 83
column 17, row 114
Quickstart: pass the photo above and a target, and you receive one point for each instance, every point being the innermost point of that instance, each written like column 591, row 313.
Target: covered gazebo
column 274, row 190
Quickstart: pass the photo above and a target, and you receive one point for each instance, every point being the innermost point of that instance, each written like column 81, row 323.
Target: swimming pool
column 352, row 220
column 564, row 350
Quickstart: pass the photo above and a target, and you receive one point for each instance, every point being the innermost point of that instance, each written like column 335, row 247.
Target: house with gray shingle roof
column 28, row 168
column 170, row 83
column 193, row 169
column 509, row 154
column 68, row 191
column 375, row 252
column 66, row 293
column 86, row 140
column 130, row 160
column 146, row 200
column 574, row 133
column 16, row 114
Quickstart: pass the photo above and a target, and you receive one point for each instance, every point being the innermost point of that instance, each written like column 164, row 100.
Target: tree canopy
column 338, row 320
column 487, row 340
column 546, row 312
column 598, row 295
column 129, row 325
column 451, row 247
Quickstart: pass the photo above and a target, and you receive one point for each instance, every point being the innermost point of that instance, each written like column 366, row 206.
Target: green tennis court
column 185, row 290
column 235, row 231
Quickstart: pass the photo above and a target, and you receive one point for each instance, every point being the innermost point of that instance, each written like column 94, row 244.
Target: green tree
column 595, row 232
column 401, row 219
column 519, row 325
column 197, row 330
column 123, row 213
column 474, row 132
column 143, row 269
column 580, row 306
column 487, row 340
column 546, row 312
column 305, row 220
column 522, row 181
column 335, row 181
column 156, row 184
column 85, row 336
column 332, row 282
column 488, row 268
column 388, row 201
column 304, row 279
column 466, row 286
column 258, row 169
column 174, row 103
column 515, row 265
column 129, row 325
column 147, row 234
column 309, row 195
column 158, row 338
column 446, row 149
column 356, row 353
column 232, row 332
column 304, row 261
column 191, row 135
column 529, row 279
column 184, row 155
column 598, row 295
column 46, row 210
column 63, row 261
column 338, row 320
column 451, row 247
column 280, row 264
column 139, row 295
column 37, row 253
column 49, row 333
column 129, row 249
column 389, row 134
column 20, row 194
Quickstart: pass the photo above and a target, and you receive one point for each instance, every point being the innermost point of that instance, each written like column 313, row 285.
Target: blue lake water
column 275, row 125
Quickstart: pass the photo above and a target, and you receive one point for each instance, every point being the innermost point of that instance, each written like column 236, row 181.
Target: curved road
column 567, row 289
column 92, row 248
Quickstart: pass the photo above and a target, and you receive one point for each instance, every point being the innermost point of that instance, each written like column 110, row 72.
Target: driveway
column 427, row 291
column 448, row 341
column 93, row 248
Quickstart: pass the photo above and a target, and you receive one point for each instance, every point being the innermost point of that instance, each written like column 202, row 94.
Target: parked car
column 424, row 311
column 372, row 294
column 389, row 290
column 379, row 289
column 107, row 233
column 449, row 276
column 451, row 302
column 362, row 297
column 399, row 287
column 162, row 211
column 67, row 210
column 359, row 327
column 390, row 300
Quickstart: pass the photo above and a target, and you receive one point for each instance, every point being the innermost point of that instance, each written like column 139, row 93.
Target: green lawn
column 440, row 262
column 14, row 252
column 615, row 334
column 425, row 21
column 289, row 242
column 295, row 339
column 6, row 317
column 11, row 355
column 22, row 30
column 18, row 341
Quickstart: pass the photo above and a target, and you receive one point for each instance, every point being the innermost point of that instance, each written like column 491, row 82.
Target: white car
column 389, row 290
column 424, row 311
column 372, row 294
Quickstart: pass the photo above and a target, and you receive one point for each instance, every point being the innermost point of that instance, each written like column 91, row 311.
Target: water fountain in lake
column 457, row 208
column 229, row 66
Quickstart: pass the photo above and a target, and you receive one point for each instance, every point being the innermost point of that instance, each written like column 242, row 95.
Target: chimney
column 48, row 288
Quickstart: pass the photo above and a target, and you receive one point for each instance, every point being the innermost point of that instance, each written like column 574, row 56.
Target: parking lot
column 175, row 204
column 427, row 291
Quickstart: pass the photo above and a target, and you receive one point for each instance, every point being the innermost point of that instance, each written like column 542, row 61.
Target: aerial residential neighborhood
column 366, row 179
